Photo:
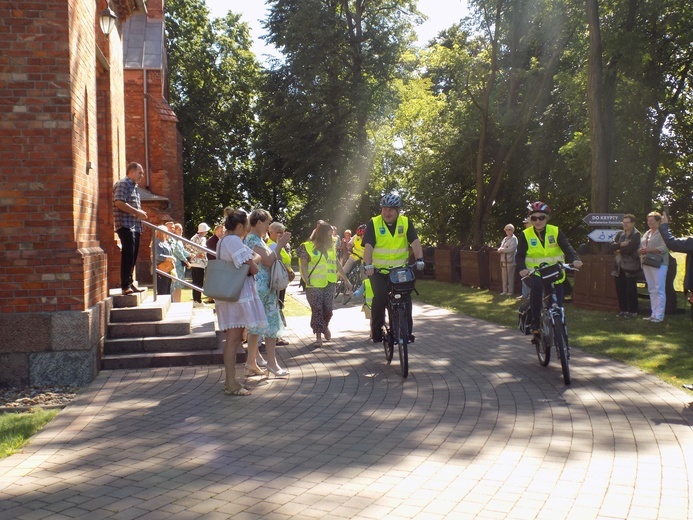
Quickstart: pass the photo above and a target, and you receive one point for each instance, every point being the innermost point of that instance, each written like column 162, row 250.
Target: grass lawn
column 16, row 428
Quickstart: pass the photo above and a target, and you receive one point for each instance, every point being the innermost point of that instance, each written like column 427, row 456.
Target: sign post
column 603, row 235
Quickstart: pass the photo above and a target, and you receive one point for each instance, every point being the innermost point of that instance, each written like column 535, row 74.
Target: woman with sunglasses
column 542, row 243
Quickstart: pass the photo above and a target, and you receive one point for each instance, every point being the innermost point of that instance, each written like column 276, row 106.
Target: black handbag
column 652, row 259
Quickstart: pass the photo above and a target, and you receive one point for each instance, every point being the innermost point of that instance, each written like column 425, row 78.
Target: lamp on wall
column 107, row 20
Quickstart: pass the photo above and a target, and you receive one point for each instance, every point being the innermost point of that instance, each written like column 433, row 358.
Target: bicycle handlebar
column 532, row 272
column 386, row 270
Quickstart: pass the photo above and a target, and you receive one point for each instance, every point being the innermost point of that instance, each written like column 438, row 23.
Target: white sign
column 603, row 235
column 603, row 219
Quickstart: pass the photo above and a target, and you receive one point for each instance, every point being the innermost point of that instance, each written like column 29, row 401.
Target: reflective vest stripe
column 390, row 250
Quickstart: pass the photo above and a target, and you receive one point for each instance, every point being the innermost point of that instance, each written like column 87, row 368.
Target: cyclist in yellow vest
column 357, row 250
column 542, row 243
column 319, row 270
column 387, row 240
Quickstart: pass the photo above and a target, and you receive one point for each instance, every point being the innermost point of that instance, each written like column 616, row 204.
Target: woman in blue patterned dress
column 259, row 224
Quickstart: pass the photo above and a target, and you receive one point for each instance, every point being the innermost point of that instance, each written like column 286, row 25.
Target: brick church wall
column 53, row 270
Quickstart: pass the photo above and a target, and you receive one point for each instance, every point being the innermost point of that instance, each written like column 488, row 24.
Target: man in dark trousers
column 127, row 219
column 680, row 245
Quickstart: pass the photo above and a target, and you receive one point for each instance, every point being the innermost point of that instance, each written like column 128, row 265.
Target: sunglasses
column 538, row 217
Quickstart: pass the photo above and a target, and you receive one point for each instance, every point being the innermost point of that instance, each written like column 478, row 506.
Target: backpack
column 524, row 317
column 279, row 276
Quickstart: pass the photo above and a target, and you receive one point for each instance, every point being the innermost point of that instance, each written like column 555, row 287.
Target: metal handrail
column 155, row 241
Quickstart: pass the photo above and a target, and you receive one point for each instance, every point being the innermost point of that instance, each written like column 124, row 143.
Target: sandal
column 240, row 391
column 252, row 371
column 127, row 291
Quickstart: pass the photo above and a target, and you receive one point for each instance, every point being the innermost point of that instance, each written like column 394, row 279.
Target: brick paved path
column 479, row 430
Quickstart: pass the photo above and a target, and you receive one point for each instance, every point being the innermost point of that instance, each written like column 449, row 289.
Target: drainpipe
column 146, row 131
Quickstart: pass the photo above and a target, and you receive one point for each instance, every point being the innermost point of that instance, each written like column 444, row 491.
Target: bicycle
column 553, row 331
column 355, row 278
column 400, row 282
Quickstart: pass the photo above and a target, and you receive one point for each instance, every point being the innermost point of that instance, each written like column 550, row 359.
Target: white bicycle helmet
column 391, row 201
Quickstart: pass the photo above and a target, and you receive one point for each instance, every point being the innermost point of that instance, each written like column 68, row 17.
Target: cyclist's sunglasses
column 538, row 217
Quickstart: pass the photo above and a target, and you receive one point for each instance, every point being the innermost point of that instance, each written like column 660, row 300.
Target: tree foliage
column 213, row 86
column 584, row 104
column 320, row 105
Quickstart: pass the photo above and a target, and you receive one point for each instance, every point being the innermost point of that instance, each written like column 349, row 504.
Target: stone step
column 175, row 322
column 201, row 346
column 187, row 342
column 163, row 359
column 168, row 359
column 149, row 310
column 121, row 300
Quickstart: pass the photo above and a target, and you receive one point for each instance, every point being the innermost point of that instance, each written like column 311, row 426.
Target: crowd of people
column 388, row 239
column 257, row 241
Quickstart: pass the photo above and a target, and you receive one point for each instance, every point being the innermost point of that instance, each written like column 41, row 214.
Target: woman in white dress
column 248, row 311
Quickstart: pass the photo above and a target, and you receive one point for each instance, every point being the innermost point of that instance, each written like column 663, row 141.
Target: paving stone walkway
column 478, row 430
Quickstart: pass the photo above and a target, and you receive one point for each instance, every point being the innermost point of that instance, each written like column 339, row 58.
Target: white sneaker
column 198, row 305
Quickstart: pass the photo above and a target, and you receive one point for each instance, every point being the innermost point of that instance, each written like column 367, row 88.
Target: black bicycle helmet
column 361, row 230
column 538, row 207
column 391, row 201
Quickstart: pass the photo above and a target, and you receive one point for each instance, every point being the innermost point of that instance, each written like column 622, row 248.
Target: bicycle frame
column 553, row 331
column 397, row 328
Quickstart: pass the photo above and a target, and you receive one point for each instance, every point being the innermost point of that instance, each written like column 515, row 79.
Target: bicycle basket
column 550, row 273
column 402, row 279
column 524, row 317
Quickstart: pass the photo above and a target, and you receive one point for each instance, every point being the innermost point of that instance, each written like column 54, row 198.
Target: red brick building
column 72, row 115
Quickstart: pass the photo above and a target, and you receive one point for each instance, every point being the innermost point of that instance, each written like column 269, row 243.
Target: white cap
column 202, row 228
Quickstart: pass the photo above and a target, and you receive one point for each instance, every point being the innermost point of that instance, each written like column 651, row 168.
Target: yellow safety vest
column 357, row 249
column 390, row 250
column 324, row 269
column 285, row 257
column 549, row 253
column 368, row 292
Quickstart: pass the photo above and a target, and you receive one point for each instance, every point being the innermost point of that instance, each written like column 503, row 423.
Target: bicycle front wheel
column 562, row 347
column 339, row 288
column 543, row 346
column 388, row 345
column 402, row 337
column 543, row 350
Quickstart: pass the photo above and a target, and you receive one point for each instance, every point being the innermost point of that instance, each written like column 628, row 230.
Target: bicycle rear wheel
column 562, row 346
column 402, row 339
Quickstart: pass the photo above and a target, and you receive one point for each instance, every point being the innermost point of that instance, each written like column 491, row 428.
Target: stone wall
column 53, row 348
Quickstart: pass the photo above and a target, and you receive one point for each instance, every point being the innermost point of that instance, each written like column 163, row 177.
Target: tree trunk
column 598, row 140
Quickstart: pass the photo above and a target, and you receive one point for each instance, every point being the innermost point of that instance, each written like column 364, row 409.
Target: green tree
column 213, row 76
column 324, row 100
